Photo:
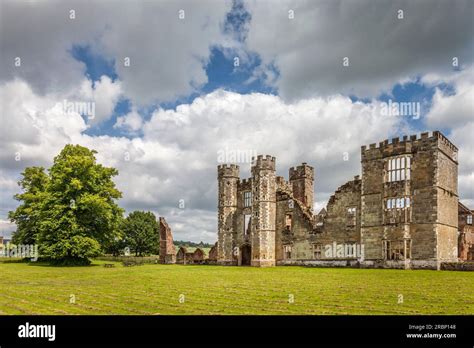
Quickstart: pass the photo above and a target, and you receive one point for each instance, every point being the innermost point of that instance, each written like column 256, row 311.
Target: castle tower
column 228, row 179
column 302, row 180
column 264, row 211
column 409, row 198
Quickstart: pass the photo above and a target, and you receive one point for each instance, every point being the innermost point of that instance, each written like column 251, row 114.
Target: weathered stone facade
column 402, row 212
column 409, row 201
column 167, row 248
column 466, row 233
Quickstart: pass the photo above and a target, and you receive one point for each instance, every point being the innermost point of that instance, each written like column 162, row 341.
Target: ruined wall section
column 342, row 221
column 167, row 248
column 466, row 233
column 297, row 237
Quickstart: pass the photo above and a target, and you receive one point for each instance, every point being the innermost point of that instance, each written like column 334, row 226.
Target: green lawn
column 156, row 289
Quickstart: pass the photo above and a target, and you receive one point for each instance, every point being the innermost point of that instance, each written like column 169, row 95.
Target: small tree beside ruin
column 141, row 233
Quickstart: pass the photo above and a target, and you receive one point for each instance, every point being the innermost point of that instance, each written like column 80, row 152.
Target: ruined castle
column 401, row 212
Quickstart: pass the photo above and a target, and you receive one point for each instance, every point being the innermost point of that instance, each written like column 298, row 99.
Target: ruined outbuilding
column 212, row 257
column 191, row 256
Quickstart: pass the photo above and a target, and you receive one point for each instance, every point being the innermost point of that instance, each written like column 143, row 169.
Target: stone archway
column 246, row 252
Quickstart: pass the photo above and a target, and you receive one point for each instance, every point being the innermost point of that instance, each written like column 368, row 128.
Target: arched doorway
column 246, row 252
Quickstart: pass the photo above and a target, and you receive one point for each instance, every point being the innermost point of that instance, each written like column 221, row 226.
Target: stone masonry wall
column 420, row 233
column 297, row 236
column 302, row 181
column 167, row 248
column 264, row 212
column 228, row 179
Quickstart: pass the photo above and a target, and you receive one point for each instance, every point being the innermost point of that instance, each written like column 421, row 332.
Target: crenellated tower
column 264, row 211
column 409, row 200
column 302, row 181
column 228, row 179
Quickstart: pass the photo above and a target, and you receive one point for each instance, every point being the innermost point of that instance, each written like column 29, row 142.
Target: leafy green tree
column 141, row 231
column 78, row 214
column 27, row 215
column 116, row 247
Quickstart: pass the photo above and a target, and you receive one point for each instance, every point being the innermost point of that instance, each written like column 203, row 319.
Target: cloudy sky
column 176, row 84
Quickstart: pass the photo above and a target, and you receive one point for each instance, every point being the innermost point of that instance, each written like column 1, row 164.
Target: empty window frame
column 317, row 248
column 398, row 169
column 397, row 249
column 247, row 224
column 397, row 203
column 287, row 251
column 247, row 198
column 351, row 216
column 288, row 221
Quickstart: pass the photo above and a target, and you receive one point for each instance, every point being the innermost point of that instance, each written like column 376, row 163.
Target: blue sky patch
column 96, row 65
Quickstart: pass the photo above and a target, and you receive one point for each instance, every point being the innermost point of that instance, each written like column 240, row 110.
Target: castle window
column 469, row 219
column 247, row 198
column 247, row 224
column 397, row 249
column 288, row 221
column 398, row 169
column 351, row 216
column 317, row 251
column 287, row 251
column 398, row 203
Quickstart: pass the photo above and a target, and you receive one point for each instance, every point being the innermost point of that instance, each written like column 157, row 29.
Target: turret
column 302, row 181
column 264, row 211
column 228, row 180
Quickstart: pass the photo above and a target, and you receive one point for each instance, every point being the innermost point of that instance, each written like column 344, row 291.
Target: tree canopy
column 27, row 216
column 141, row 232
column 71, row 211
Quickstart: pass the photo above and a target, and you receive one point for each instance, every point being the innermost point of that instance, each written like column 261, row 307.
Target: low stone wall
column 387, row 264
column 424, row 264
column 457, row 266
column 319, row 263
column 138, row 259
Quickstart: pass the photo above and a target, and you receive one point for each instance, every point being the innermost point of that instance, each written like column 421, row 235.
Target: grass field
column 157, row 289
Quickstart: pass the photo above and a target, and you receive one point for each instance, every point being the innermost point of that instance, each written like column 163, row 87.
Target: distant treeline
column 180, row 243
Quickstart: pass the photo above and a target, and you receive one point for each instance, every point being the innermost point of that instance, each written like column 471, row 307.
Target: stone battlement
column 397, row 146
column 267, row 162
column 228, row 170
column 445, row 141
column 301, row 171
column 245, row 184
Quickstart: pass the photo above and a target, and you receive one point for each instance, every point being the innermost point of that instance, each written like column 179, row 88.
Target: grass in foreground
column 157, row 289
